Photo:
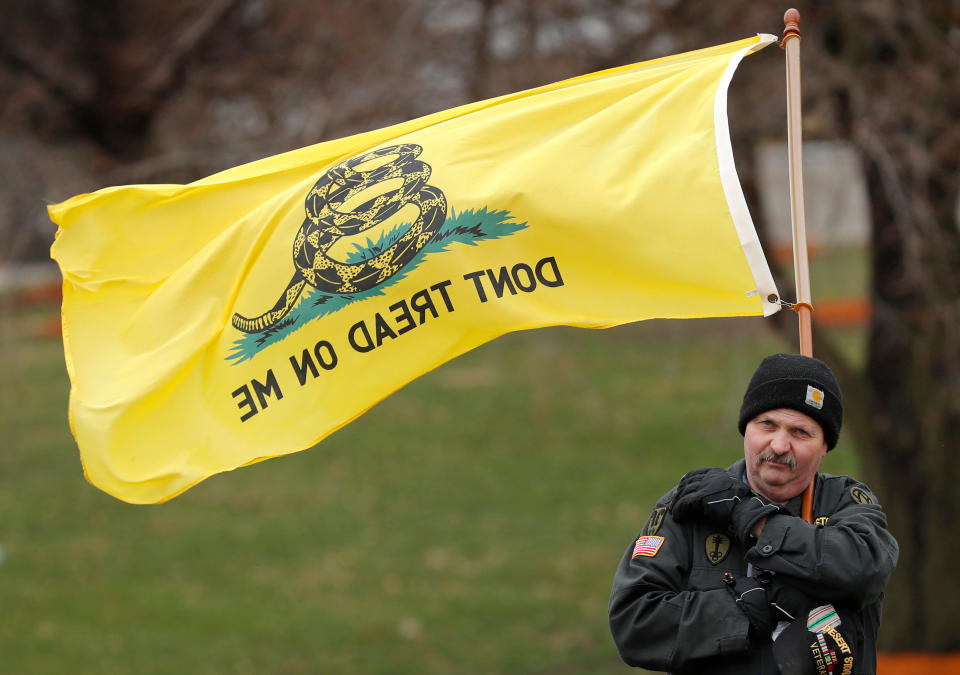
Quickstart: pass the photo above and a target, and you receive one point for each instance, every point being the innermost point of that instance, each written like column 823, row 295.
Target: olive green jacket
column 670, row 610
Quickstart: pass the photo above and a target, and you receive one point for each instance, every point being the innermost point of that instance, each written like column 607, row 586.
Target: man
column 727, row 577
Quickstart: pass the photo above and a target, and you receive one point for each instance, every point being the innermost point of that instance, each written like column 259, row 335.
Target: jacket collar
column 794, row 507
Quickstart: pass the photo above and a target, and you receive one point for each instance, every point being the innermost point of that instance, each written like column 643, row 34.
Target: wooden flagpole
column 791, row 45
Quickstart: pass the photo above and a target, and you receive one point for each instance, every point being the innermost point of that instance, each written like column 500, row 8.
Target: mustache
column 773, row 458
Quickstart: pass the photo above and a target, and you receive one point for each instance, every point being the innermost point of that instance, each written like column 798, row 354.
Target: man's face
column 783, row 449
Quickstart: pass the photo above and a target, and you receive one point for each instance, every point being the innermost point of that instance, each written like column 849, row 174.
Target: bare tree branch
column 49, row 77
column 164, row 74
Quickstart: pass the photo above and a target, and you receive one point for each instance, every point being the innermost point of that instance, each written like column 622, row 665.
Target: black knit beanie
column 797, row 382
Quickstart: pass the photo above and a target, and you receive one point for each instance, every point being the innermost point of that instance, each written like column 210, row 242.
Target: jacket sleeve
column 656, row 622
column 848, row 559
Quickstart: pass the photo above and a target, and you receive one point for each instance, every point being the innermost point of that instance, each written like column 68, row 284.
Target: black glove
column 751, row 598
column 711, row 493
column 788, row 602
column 748, row 512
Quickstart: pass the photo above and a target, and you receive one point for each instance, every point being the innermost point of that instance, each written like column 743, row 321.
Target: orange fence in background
column 841, row 311
column 918, row 663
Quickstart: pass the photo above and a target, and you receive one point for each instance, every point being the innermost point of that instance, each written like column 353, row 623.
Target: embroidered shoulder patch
column 656, row 520
column 861, row 495
column 647, row 546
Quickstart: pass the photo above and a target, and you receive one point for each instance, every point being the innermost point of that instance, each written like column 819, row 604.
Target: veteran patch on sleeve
column 647, row 546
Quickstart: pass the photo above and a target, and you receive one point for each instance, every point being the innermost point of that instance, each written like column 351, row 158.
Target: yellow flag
column 252, row 313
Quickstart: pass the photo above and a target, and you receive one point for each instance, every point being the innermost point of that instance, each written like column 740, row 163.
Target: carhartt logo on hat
column 814, row 397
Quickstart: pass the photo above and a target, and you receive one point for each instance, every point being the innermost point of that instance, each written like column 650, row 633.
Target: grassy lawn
column 471, row 523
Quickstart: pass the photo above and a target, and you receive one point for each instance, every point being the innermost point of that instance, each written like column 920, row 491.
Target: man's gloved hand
column 751, row 597
column 748, row 512
column 786, row 600
column 712, row 493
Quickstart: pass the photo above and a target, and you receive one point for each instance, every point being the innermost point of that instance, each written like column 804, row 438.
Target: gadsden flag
column 252, row 313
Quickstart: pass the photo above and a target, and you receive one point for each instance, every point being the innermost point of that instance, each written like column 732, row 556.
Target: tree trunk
column 913, row 415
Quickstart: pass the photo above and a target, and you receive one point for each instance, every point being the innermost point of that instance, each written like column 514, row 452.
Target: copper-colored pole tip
column 791, row 23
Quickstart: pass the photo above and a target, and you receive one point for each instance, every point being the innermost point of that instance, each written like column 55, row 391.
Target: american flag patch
column 647, row 546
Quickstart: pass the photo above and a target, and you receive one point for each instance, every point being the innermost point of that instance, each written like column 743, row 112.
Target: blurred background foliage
column 472, row 522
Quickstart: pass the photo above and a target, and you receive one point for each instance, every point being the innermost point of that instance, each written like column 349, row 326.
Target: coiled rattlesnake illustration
column 326, row 223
